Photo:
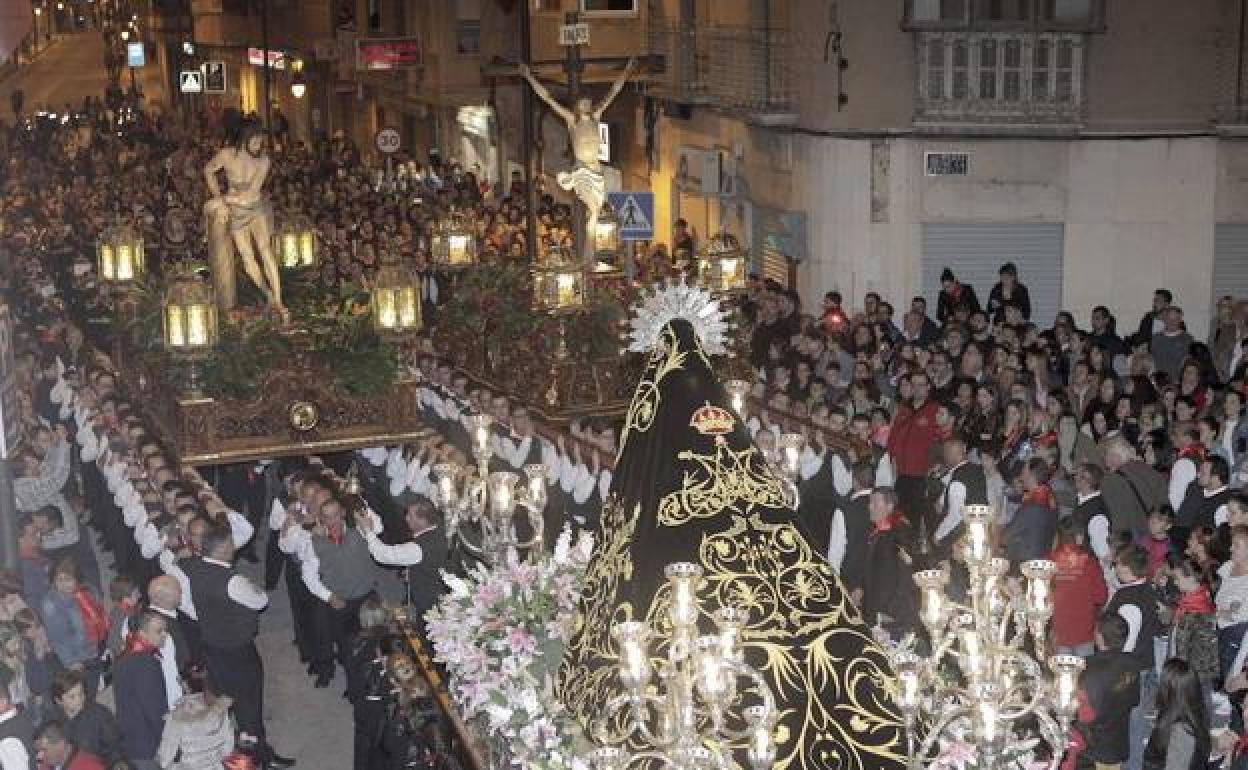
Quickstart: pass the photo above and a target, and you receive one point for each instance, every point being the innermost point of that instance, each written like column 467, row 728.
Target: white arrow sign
column 191, row 82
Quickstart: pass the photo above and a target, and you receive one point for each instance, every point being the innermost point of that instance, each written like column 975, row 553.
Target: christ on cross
column 587, row 180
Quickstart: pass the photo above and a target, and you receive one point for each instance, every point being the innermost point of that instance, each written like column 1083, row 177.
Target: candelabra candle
column 479, row 428
column 932, row 607
column 1066, row 669
column 978, row 519
column 791, row 446
column 738, row 392
column 1000, row 695
column 683, row 579
column 698, row 712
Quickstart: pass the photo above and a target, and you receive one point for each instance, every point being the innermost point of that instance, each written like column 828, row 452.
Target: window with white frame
column 1023, row 75
column 614, row 7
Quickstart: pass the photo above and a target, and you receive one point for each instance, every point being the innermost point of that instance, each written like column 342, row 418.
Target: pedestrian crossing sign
column 191, row 82
column 635, row 213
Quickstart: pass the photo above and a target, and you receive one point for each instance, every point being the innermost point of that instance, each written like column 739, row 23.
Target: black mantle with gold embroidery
column 706, row 496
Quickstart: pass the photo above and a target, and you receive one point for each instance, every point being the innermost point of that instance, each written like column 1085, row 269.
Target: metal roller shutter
column 1230, row 261
column 975, row 253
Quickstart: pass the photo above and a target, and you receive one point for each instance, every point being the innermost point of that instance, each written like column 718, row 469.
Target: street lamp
column 298, row 83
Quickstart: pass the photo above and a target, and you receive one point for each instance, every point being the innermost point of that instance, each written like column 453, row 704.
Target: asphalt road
column 67, row 71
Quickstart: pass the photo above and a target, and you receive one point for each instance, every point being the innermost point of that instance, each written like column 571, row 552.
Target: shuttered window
column 975, row 253
column 1230, row 261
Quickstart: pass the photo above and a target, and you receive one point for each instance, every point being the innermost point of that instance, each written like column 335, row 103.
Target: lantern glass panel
column 175, row 329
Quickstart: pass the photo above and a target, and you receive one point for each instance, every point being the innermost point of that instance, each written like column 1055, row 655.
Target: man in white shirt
column 16, row 732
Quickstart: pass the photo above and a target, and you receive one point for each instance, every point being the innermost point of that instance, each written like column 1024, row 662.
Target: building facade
column 1097, row 144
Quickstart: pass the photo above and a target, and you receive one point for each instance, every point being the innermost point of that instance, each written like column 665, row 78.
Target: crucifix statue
column 587, row 180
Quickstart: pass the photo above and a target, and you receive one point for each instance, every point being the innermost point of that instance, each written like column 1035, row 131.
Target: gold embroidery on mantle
column 666, row 358
column 722, row 481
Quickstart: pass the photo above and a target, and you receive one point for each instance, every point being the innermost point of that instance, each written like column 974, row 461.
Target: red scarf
column 1044, row 440
column 889, row 522
column 1193, row 452
column 1041, row 495
column 137, row 645
column 1198, row 601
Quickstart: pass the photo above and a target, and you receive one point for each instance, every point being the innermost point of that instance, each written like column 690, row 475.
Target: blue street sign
column 635, row 212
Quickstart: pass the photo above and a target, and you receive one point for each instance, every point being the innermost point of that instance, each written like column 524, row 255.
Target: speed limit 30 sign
column 388, row 141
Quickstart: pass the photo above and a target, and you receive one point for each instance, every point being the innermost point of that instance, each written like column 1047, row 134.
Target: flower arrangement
column 500, row 632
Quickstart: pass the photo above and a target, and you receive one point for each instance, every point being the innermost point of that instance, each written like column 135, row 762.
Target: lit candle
column 730, row 621
column 974, row 658
column 792, row 444
column 683, row 578
column 567, row 289
column 197, row 326
column 738, row 390
column 458, row 245
column 906, row 664
column 712, row 682
column 762, row 749
column 931, row 583
column 634, row 661
column 1066, row 669
column 1039, row 573
column 536, row 473
column 984, row 722
column 108, row 262
column 978, row 533
column 125, row 263
column 728, row 273
column 387, row 314
column 502, row 493
column 307, row 248
column 407, row 308
column 175, row 331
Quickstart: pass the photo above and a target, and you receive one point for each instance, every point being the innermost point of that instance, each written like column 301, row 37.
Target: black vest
column 1141, row 595
column 1088, row 510
column 223, row 622
column 971, row 475
column 857, row 551
column 1198, row 509
column 20, row 727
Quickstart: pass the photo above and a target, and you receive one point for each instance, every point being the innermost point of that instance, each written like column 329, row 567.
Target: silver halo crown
column 664, row 303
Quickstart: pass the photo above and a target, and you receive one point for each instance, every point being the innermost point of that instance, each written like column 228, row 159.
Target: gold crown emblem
column 712, row 420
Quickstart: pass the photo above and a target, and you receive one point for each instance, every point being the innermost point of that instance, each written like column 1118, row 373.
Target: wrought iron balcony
column 735, row 68
column 1000, row 78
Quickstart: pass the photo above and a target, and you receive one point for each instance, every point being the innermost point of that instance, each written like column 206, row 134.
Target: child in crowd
column 1157, row 542
column 1111, row 687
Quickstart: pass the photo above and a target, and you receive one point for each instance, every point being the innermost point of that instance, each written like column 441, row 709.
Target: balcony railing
column 737, row 68
column 1000, row 77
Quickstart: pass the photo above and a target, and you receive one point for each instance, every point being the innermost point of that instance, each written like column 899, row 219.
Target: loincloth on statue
column 243, row 216
column 587, row 183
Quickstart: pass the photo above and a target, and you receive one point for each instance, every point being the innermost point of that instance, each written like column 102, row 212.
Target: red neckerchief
column 1193, row 452
column 956, row 291
column 1194, row 601
column 137, row 645
column 336, row 535
column 1012, row 437
column 1046, row 439
column 1041, row 495
column 889, row 522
